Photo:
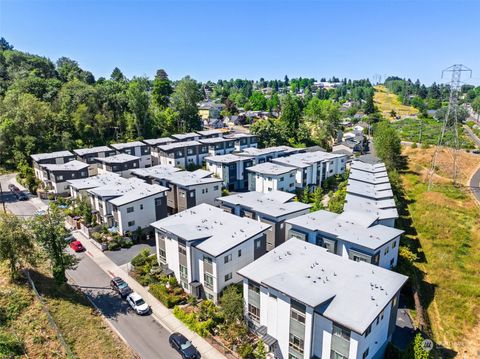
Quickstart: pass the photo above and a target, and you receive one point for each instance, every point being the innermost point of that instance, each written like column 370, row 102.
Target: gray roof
column 187, row 178
column 268, row 168
column 104, row 179
column 351, row 226
column 139, row 192
column 185, row 136
column 238, row 135
column 383, row 209
column 215, row 140
column 155, row 171
column 175, row 145
column 368, row 167
column 228, row 158
column 218, row 230
column 274, row 203
column 46, row 156
column 121, row 146
column 381, row 191
column 67, row 166
column 350, row 293
column 253, row 151
column 118, row 188
column 87, row 151
column 159, row 141
column 209, row 132
column 301, row 160
column 120, row 158
column 368, row 177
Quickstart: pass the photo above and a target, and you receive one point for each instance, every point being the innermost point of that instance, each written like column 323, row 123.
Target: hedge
column 160, row 292
column 203, row 329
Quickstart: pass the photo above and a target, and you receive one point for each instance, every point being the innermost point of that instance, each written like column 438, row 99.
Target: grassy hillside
column 386, row 102
column 445, row 223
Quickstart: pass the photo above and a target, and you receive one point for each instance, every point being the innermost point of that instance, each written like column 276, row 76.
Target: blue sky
column 251, row 39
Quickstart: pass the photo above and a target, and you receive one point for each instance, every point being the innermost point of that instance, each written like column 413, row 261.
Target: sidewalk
column 163, row 315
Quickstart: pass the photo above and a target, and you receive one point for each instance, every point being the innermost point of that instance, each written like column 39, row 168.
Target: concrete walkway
column 162, row 314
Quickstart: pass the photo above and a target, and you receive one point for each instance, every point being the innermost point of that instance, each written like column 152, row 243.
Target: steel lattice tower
column 450, row 122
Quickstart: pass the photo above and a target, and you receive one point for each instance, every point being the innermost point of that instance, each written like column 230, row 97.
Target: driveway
column 125, row 255
column 19, row 208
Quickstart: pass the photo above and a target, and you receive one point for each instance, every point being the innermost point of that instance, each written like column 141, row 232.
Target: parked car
column 120, row 286
column 77, row 246
column 21, row 196
column 137, row 303
column 70, row 239
column 183, row 346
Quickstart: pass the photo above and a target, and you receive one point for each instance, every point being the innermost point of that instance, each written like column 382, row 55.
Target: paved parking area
column 125, row 255
column 19, row 208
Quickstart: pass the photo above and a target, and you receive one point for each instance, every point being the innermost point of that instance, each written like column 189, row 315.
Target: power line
column 450, row 122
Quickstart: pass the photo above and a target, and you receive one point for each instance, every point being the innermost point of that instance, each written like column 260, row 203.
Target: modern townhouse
column 305, row 302
column 272, row 208
column 135, row 148
column 153, row 147
column 369, row 167
column 384, row 209
column 182, row 154
column 191, row 136
column 243, row 140
column 79, row 187
column 218, row 146
column 122, row 164
column 231, row 169
column 353, row 235
column 55, row 176
column 374, row 192
column 312, row 168
column 129, row 205
column 210, row 133
column 262, row 155
column 153, row 173
column 58, row 158
column 204, row 247
column 368, row 177
column 266, row 177
column 89, row 155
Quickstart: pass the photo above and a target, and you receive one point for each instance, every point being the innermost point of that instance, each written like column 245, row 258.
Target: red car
column 77, row 246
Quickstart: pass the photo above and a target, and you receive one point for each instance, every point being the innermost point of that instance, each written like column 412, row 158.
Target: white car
column 136, row 302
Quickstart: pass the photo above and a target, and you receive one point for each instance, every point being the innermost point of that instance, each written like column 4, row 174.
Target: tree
column 5, row 45
column 117, row 75
column 291, row 115
column 257, row 101
column 231, row 303
column 16, row 247
column 50, row 233
column 270, row 132
column 68, row 69
column 317, row 198
column 369, row 106
column 184, row 100
column 387, row 144
column 306, row 195
column 324, row 115
column 260, row 352
column 476, row 106
column 162, row 89
column 138, row 103
column 416, row 349
column 462, row 114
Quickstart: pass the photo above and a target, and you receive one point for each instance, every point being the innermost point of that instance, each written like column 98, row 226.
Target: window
column 182, row 194
column 299, row 317
column 227, row 258
column 254, row 287
column 207, row 259
column 183, row 272
column 228, row 277
column 131, row 223
column 134, row 164
column 341, row 333
column 239, row 252
column 192, row 194
column 291, row 356
column 208, row 280
column 162, row 254
column 141, row 206
column 386, row 251
column 258, row 244
column 369, row 329
column 215, row 188
column 291, row 185
column 158, row 201
column 394, row 244
column 59, row 178
column 182, row 250
column 253, row 312
column 73, row 175
column 365, row 354
column 296, row 343
column 129, row 209
column 391, row 262
column 281, row 179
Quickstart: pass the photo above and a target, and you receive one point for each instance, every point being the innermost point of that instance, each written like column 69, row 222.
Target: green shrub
column 127, row 243
column 113, row 245
column 140, row 259
column 160, row 292
column 245, row 350
column 414, row 145
column 10, row 346
column 202, row 328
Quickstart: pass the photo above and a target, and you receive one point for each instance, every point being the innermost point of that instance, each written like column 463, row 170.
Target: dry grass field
column 386, row 102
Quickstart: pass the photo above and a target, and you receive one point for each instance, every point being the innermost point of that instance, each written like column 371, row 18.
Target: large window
column 162, row 254
column 182, row 250
column 131, row 223
column 296, row 343
column 183, row 272
column 129, row 209
column 228, row 277
column 298, row 316
column 208, row 281
column 227, row 258
column 253, row 312
column 254, row 287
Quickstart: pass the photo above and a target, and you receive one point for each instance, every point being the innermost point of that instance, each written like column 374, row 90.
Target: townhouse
column 182, row 154
column 243, row 140
column 231, row 169
column 150, row 174
column 204, row 247
column 58, row 157
column 79, row 187
column 153, row 147
column 89, row 155
column 210, row 133
column 55, row 176
column 135, row 148
column 266, row 177
column 312, row 168
column 218, row 145
column 370, row 191
column 122, row 164
column 128, row 205
column 191, row 136
column 273, row 208
column 305, row 302
column 267, row 154
column 351, row 234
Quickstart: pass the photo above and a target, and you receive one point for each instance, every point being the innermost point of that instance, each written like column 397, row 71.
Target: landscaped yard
column 386, row 102
column 447, row 227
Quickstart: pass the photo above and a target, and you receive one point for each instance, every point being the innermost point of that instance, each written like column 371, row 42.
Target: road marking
column 110, row 274
column 89, row 254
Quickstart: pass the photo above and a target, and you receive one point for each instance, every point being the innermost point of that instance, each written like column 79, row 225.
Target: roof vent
column 372, row 297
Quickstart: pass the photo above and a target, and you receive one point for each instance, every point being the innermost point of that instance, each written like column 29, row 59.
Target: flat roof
column 351, row 226
column 119, row 188
column 120, row 158
column 209, row 132
column 228, row 158
column 219, row 231
column 369, row 177
column 187, row 178
column 121, row 146
column 158, row 141
column 67, row 166
column 87, row 151
column 274, row 203
column 268, row 168
column 253, row 151
column 239, row 135
column 368, row 167
column 175, row 145
column 384, row 209
column 302, row 160
column 108, row 178
column 185, row 136
column 46, row 156
column 214, row 140
column 154, row 171
column 349, row 293
column 140, row 191
column 376, row 192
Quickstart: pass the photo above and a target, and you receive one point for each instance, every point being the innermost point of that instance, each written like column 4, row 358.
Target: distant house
column 210, row 133
column 89, row 155
column 123, row 164
column 210, row 109
column 55, row 176
column 136, row 148
column 231, row 169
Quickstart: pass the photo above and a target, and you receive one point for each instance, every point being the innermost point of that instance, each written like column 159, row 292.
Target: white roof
column 187, row 178
column 302, row 160
column 87, row 151
column 380, row 191
column 46, row 156
column 214, row 140
column 185, row 136
column 383, row 209
column 209, row 132
column 351, row 226
column 108, row 178
column 175, row 145
column 253, row 151
column 350, row 293
column 239, row 135
column 158, row 141
column 368, row 167
column 120, row 158
column 67, row 166
column 369, row 177
column 268, row 168
column 157, row 171
column 274, row 203
column 140, row 191
column 228, row 158
column 121, row 146
column 218, row 230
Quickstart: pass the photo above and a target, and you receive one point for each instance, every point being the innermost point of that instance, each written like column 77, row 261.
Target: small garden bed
column 113, row 241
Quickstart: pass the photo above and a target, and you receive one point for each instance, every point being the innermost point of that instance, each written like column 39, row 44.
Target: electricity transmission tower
column 450, row 122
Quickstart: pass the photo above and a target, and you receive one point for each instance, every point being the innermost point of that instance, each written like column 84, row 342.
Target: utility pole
column 450, row 122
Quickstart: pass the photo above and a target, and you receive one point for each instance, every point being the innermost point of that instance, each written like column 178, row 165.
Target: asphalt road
column 143, row 333
column 125, row 255
column 19, row 208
